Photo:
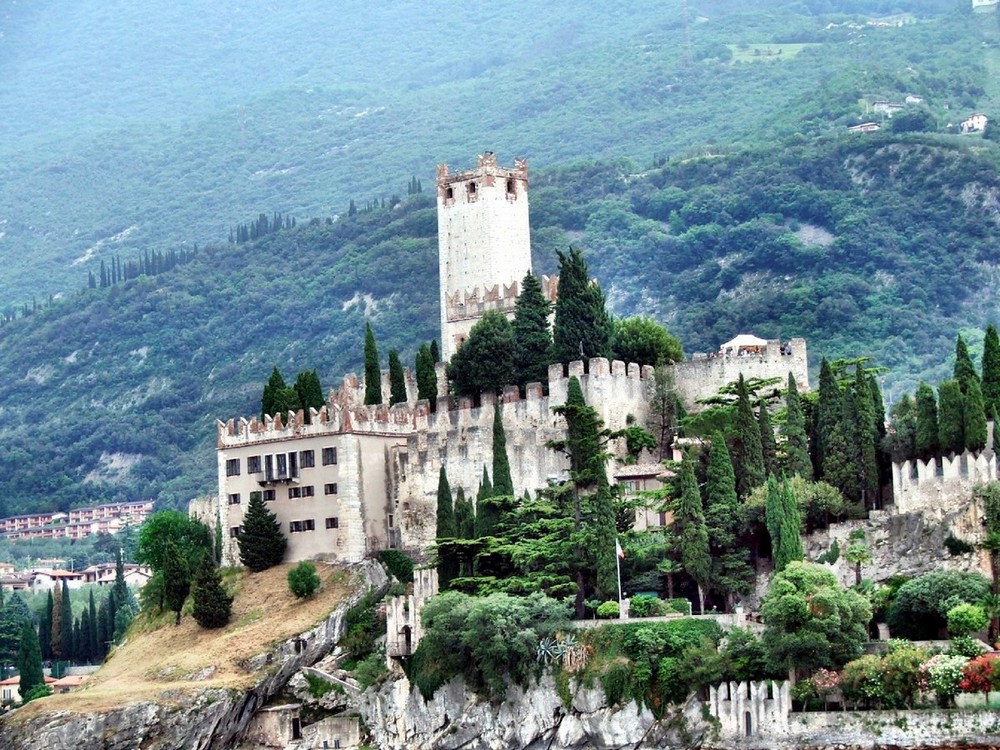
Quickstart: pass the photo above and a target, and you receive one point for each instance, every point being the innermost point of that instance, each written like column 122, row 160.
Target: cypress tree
column 582, row 327
column 397, row 379
column 95, row 642
column 261, row 543
column 120, row 588
column 435, row 352
column 768, row 448
column 828, row 412
column 45, row 628
column 373, row 375
column 745, row 444
column 974, row 418
column 176, row 582
column 212, row 605
column 465, row 516
column 486, row 512
column 532, row 338
column 426, row 375
column 111, row 607
column 901, row 443
column 82, row 646
column 66, row 631
column 866, row 438
column 103, row 633
column 446, row 521
column 56, row 639
column 951, row 435
column 926, row 438
column 965, row 370
column 503, row 483
column 796, row 441
column 689, row 521
column 309, row 392
column 991, row 370
column 269, row 400
column 882, row 457
column 29, row 661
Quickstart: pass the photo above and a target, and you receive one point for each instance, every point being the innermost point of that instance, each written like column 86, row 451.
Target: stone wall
column 747, row 710
column 937, row 486
column 403, row 626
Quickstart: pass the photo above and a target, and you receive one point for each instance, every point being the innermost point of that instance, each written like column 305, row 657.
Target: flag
column 619, row 551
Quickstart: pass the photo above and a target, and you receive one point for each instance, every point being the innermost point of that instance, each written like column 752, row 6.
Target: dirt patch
column 162, row 661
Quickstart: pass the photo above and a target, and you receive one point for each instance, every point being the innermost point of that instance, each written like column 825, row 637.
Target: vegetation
column 303, row 580
column 212, row 604
column 920, row 607
column 261, row 543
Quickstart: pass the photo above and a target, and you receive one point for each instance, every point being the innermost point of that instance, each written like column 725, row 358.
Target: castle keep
column 356, row 479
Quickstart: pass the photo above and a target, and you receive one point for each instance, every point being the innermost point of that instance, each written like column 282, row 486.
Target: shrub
column 38, row 691
column 398, row 564
column 965, row 646
column 942, row 674
column 303, row 581
column 608, row 610
column 370, row 669
column 920, row 607
column 680, row 606
column 901, row 675
column 966, row 619
column 980, row 676
column 645, row 605
column 861, row 682
column 744, row 656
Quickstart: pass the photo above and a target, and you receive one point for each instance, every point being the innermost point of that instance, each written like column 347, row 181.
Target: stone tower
column 484, row 244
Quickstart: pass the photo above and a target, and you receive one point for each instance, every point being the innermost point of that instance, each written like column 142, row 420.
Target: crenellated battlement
column 749, row 709
column 466, row 304
column 941, row 484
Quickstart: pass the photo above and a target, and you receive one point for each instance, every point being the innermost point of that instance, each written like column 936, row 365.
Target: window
column 282, row 464
column 253, row 465
column 472, row 189
column 234, row 531
column 256, row 496
column 293, row 464
column 268, row 467
column 268, row 496
column 449, row 193
column 307, row 525
column 234, row 498
column 307, row 459
column 511, row 189
column 329, row 456
column 307, row 491
column 333, row 523
column 232, row 467
column 391, row 520
column 330, row 489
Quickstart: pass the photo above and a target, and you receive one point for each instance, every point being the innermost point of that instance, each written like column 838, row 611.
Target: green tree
column 212, row 605
column 965, row 370
column 66, row 631
column 532, row 336
column 45, row 626
column 96, row 650
column 484, row 363
column 191, row 537
column 951, row 432
column 13, row 616
column 663, row 417
column 309, row 392
column 857, row 554
column 465, row 516
column 582, row 328
column 176, row 581
column 919, row 610
column 373, row 373
column 29, row 661
column 644, row 342
column 974, row 418
column 689, row 521
column 783, row 523
column 828, row 414
column 811, row 621
column 397, row 379
column 261, row 543
column 446, row 524
column 991, row 370
column 277, row 398
column 724, row 519
column 768, row 447
column 426, row 376
column 745, row 444
column 966, row 619
column 503, row 483
column 901, row 443
column 56, row 638
column 796, row 444
column 926, row 438
column 303, row 580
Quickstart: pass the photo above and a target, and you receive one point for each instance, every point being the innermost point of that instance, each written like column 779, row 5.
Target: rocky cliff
column 208, row 719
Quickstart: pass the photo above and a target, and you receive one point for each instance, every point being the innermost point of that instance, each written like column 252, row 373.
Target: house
column 865, row 127
column 10, row 689
column 68, row 682
column 47, row 580
column 639, row 478
column 6, row 568
column 976, row 123
column 914, row 99
column 103, row 574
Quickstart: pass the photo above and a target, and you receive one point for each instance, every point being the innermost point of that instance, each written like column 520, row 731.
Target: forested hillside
column 174, row 130
column 880, row 246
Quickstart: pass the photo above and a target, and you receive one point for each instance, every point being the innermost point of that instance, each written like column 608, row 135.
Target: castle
column 354, row 479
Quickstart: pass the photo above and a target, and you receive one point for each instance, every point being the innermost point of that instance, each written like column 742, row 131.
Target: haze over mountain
column 708, row 175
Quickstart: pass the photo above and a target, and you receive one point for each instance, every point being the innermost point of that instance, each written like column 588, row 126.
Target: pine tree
column 796, row 441
column 582, row 327
column 426, row 375
column 269, row 400
column 484, row 363
column 689, row 521
column 663, row 415
column 745, row 444
column 261, row 543
column 212, row 605
column 828, row 414
column 66, row 631
column 29, row 661
column 503, row 483
column 373, row 375
column 991, row 370
column 965, row 370
column 532, row 338
column 974, row 418
column 768, row 448
column 926, row 438
column 951, row 435
column 309, row 392
column 397, row 379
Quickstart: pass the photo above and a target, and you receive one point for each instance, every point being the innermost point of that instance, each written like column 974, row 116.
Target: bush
column 744, row 657
column 920, row 607
column 965, row 646
column 861, row 682
column 370, row 670
column 980, row 676
column 398, row 564
column 645, row 605
column 942, row 674
column 38, row 691
column 901, row 675
column 680, row 606
column 303, row 581
column 608, row 611
column 966, row 619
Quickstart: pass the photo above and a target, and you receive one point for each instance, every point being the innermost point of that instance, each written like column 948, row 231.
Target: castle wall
column 938, row 486
column 750, row 709
column 484, row 238
column 703, row 375
column 402, row 615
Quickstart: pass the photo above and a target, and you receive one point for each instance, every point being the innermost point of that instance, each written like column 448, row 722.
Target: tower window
column 472, row 188
column 449, row 193
column 511, row 187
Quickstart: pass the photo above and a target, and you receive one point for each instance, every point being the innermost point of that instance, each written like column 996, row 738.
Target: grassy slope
column 158, row 659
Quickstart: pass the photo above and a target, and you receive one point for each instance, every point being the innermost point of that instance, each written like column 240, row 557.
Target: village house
column 975, row 123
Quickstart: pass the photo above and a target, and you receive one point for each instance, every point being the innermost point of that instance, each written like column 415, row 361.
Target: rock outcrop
column 208, row 719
